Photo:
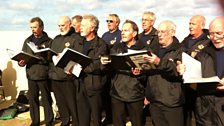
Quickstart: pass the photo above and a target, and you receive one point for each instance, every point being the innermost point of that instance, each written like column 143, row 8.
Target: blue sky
column 15, row 14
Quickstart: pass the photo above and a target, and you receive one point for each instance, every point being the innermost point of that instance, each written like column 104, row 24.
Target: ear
column 42, row 28
column 117, row 23
column 92, row 28
column 173, row 32
column 134, row 33
column 202, row 25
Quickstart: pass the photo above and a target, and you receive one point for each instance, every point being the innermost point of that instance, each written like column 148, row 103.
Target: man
column 127, row 91
column 149, row 35
column 89, row 96
column 113, row 36
column 210, row 98
column 198, row 36
column 150, row 38
column 37, row 75
column 212, row 113
column 163, row 89
column 76, row 23
column 63, row 85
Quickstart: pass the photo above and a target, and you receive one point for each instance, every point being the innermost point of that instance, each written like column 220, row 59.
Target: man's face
column 164, row 34
column 216, row 33
column 64, row 26
column 76, row 25
column 195, row 26
column 85, row 28
column 127, row 33
column 147, row 23
column 36, row 29
column 112, row 23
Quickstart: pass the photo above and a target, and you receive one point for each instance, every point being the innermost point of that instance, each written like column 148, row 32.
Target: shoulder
column 57, row 36
column 105, row 34
column 100, row 40
column 118, row 31
column 140, row 35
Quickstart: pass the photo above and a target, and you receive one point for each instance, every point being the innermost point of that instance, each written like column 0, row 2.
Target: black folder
column 126, row 61
column 72, row 55
column 17, row 56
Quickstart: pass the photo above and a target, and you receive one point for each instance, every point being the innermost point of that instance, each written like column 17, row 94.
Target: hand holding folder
column 20, row 55
column 68, row 55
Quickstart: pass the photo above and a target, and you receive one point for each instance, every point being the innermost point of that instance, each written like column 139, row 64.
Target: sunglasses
column 109, row 21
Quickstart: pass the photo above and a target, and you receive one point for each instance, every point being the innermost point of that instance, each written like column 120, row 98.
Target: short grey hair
column 93, row 20
column 116, row 16
column 151, row 14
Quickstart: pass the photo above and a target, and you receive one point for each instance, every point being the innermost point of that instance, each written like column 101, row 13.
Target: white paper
column 77, row 69
column 73, row 68
column 193, row 72
column 34, row 48
column 55, row 59
column 202, row 80
column 130, row 51
column 193, row 67
column 11, row 52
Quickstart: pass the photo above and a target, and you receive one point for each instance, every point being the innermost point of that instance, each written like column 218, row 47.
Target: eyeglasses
column 161, row 31
column 109, row 21
column 146, row 20
column 217, row 34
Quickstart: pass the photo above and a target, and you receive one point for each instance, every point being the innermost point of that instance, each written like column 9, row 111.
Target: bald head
column 196, row 25
column 65, row 19
column 217, row 22
column 216, row 32
column 64, row 24
column 200, row 19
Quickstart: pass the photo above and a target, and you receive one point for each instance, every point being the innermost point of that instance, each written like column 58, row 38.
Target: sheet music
column 11, row 52
column 130, row 51
column 55, row 59
column 74, row 68
column 193, row 73
column 193, row 67
column 32, row 46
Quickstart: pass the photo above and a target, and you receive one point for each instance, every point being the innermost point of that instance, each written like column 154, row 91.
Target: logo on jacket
column 42, row 46
column 67, row 44
column 148, row 42
column 113, row 41
column 201, row 46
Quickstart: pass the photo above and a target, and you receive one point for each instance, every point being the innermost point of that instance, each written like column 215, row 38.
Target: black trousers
column 89, row 107
column 34, row 88
column 210, row 110
column 65, row 95
column 189, row 105
column 135, row 111
column 106, row 99
column 166, row 116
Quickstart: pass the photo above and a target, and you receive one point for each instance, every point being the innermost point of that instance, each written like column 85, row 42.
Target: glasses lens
column 216, row 34
column 109, row 21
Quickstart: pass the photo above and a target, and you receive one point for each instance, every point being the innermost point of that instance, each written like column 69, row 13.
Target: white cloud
column 17, row 21
column 20, row 11
column 21, row 6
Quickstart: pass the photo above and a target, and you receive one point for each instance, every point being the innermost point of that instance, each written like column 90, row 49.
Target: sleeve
column 207, row 64
column 168, row 63
column 96, row 67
